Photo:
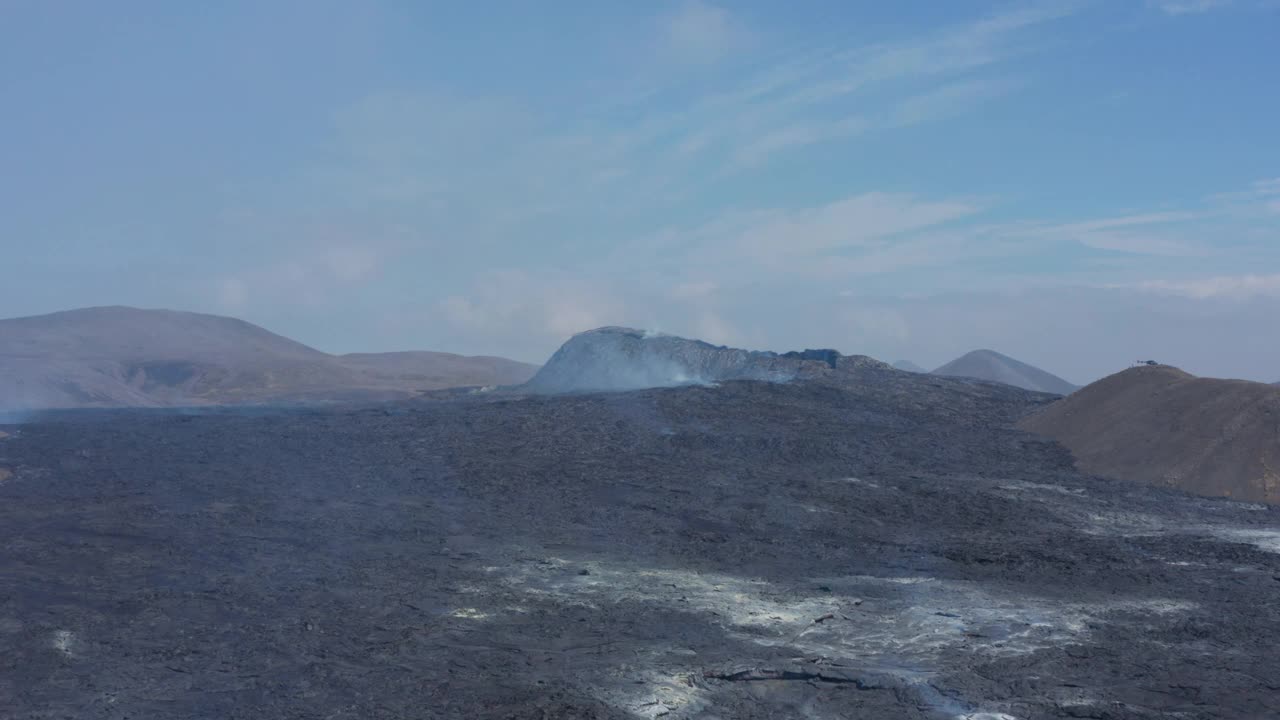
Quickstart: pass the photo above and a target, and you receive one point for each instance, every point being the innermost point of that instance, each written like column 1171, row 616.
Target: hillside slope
column 991, row 365
column 120, row 356
column 1163, row 426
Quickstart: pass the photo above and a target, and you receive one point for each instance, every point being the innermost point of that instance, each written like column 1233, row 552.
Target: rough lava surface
column 617, row 358
column 858, row 542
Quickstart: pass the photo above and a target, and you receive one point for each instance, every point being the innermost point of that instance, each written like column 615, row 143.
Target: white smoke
column 614, row 359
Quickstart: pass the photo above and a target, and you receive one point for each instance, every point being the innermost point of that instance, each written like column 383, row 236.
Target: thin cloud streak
column 1232, row 287
column 1188, row 7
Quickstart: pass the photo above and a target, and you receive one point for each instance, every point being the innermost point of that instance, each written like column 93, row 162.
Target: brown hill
column 1163, row 426
column 120, row 356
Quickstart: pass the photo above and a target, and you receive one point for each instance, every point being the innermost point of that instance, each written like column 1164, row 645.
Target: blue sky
column 1073, row 183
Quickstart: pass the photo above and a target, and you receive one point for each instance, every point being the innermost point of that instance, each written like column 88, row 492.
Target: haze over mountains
column 128, row 357
column 120, row 356
column 993, row 366
column 1148, row 424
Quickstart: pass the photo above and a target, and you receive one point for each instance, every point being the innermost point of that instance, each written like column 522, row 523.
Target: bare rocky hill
column 119, row 356
column 1163, row 426
column 991, row 365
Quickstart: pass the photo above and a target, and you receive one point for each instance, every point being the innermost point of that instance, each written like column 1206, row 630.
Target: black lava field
column 865, row 543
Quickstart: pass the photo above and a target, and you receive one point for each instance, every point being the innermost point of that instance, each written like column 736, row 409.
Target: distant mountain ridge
column 908, row 366
column 995, row 367
column 1163, row 426
column 440, row 369
column 124, row 357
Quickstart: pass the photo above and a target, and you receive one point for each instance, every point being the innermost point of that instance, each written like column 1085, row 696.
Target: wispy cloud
column 831, row 94
column 892, row 275
column 1187, row 7
column 889, row 234
column 756, row 151
column 934, row 104
column 493, row 170
column 943, row 53
column 1268, row 188
column 1127, row 221
column 860, row 221
column 699, row 31
column 948, row 99
column 1141, row 234
column 311, row 279
column 528, row 304
column 637, row 192
column 1226, row 286
column 678, row 137
column 1262, row 196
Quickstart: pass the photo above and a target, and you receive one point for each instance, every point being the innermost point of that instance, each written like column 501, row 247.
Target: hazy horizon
column 1074, row 184
column 539, row 361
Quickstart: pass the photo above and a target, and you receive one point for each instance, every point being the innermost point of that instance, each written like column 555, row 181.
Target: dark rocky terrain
column 126, row 357
column 863, row 542
column 993, row 366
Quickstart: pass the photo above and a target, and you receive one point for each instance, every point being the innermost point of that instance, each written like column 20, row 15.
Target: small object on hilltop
column 1149, row 363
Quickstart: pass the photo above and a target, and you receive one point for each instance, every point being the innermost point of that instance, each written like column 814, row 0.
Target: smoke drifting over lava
column 614, row 359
